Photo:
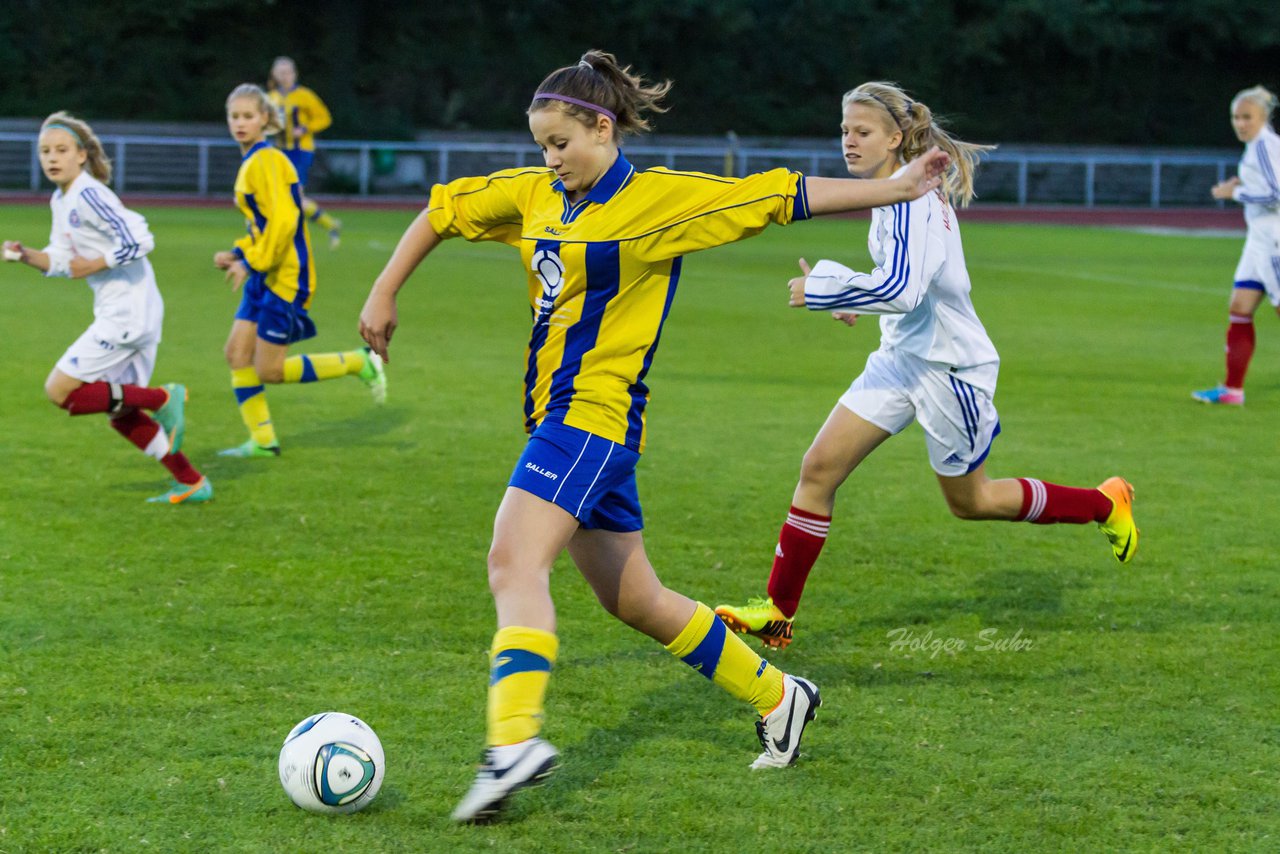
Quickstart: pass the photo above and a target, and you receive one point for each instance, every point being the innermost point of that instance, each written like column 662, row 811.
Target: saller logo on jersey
column 548, row 267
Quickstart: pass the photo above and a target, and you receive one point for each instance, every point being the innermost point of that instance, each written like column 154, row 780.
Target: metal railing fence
column 205, row 166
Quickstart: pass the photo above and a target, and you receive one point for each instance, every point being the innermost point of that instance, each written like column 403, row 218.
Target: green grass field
column 152, row 658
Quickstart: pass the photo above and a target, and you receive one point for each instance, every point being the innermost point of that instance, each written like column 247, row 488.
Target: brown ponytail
column 599, row 80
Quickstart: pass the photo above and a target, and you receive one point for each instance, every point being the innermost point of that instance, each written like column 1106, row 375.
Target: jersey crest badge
column 74, row 219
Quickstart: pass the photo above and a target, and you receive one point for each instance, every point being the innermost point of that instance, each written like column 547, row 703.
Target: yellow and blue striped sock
column 323, row 366
column 520, row 667
column 718, row 654
column 317, row 214
column 252, row 398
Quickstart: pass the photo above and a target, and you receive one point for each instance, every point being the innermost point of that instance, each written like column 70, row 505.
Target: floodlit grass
column 152, row 659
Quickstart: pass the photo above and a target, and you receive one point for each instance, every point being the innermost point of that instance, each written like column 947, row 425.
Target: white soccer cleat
column 525, row 764
column 781, row 729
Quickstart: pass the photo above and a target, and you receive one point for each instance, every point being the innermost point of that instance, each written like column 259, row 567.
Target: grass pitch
column 153, row 658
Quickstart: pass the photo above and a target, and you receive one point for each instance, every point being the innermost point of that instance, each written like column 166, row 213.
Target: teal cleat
column 186, row 493
column 172, row 416
column 374, row 375
column 1220, row 395
column 249, row 450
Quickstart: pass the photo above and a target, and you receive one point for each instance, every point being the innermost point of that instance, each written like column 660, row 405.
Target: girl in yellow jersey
column 273, row 262
column 301, row 116
column 601, row 244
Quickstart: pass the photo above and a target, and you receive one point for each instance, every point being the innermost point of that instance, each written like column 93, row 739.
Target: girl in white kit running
column 1256, row 186
column 935, row 365
column 96, row 238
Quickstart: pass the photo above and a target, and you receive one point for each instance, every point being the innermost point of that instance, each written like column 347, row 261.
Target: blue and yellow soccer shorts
column 301, row 160
column 591, row 478
column 279, row 322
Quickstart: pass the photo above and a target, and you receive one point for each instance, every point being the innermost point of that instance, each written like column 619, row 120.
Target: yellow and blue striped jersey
column 300, row 108
column 602, row 273
column 277, row 245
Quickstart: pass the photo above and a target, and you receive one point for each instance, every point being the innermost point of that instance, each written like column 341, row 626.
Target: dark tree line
column 1136, row 72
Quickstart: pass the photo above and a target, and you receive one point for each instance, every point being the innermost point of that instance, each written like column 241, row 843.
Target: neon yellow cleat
column 374, row 376
column 1120, row 528
column 759, row 617
column 250, row 449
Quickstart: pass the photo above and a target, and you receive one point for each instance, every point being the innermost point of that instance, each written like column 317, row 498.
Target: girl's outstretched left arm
column 837, row 195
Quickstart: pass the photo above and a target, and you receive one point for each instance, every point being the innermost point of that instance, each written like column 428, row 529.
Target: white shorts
column 959, row 419
column 1259, row 267
column 101, row 354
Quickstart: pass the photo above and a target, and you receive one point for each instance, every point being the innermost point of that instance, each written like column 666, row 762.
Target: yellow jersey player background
column 602, row 246
column 300, row 116
column 274, row 263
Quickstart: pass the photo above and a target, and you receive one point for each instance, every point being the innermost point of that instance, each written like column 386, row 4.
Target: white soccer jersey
column 1259, row 188
column 919, row 286
column 90, row 221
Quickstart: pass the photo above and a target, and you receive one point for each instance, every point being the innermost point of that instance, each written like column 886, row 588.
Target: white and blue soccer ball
column 332, row 763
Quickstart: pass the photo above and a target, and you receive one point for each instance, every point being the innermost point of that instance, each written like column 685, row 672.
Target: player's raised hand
column 796, row 286
column 378, row 321
column 14, row 251
column 924, row 173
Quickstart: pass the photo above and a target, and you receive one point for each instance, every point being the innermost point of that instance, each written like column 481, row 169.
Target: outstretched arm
column 837, row 195
column 378, row 317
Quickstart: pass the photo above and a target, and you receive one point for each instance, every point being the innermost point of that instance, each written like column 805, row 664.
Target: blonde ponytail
column 920, row 132
column 96, row 161
column 254, row 92
column 1259, row 95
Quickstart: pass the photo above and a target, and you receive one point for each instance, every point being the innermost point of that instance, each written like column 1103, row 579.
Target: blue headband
column 67, row 128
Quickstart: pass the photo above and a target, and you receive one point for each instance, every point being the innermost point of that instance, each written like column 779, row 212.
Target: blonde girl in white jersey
column 1257, row 187
column 935, row 365
column 96, row 238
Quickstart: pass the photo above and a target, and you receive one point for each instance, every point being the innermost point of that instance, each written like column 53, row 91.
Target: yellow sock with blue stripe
column 253, row 405
column 323, row 366
column 317, row 214
column 519, row 669
column 721, row 656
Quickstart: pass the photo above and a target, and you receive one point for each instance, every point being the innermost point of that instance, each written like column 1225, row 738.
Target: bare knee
column 634, row 608
column 821, row 469
column 969, row 507
column 507, row 575
column 270, row 373
column 57, row 394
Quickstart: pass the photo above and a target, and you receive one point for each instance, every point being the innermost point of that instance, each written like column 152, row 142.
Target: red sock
column 140, row 429
column 1240, row 343
column 109, row 397
column 1048, row 503
column 181, row 469
column 799, row 544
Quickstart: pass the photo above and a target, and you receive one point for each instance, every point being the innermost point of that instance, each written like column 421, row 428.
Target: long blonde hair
column 254, row 92
column 1259, row 95
column 96, row 160
column 920, row 132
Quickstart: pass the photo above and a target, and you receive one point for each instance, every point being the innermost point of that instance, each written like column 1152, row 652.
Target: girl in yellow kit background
column 302, row 115
column 274, row 263
column 602, row 244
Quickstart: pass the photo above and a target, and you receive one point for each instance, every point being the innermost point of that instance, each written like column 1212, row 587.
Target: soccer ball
column 331, row 763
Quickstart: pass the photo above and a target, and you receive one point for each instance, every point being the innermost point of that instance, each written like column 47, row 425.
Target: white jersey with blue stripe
column 1259, row 188
column 919, row 287
column 90, row 221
